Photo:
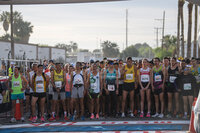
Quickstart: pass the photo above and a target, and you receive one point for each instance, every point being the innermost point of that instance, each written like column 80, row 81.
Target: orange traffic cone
column 17, row 111
column 191, row 129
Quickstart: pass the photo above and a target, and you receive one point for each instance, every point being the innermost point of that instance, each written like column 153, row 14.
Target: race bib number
column 58, row 84
column 40, row 87
column 111, row 87
column 144, row 78
column 187, row 86
column 93, row 86
column 172, row 79
column 16, row 84
column 158, row 78
column 129, row 76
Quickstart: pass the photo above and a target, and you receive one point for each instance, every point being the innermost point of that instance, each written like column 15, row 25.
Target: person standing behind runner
column 40, row 82
column 144, row 82
column 77, row 90
column 27, row 93
column 69, row 70
column 158, row 84
column 103, row 96
column 17, row 91
column 58, row 79
column 30, row 75
column 94, row 81
column 172, row 73
column 186, row 82
column 195, row 69
column 111, row 86
column 119, row 67
column 130, row 84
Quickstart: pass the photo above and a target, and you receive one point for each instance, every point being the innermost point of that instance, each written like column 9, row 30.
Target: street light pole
column 11, row 27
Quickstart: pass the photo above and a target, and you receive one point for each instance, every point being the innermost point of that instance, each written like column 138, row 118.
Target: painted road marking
column 101, row 123
column 113, row 128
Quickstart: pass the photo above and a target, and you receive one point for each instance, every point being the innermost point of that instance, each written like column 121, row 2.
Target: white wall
column 57, row 53
column 30, row 51
column 98, row 56
column 84, row 56
column 4, row 49
column 43, row 53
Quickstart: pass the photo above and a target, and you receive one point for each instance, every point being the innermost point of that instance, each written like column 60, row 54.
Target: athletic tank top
column 78, row 78
column 16, row 85
column 173, row 74
column 68, row 79
column 58, row 79
column 110, row 77
column 111, row 80
column 39, row 83
column 145, row 75
column 94, row 83
column 157, row 77
column 129, row 75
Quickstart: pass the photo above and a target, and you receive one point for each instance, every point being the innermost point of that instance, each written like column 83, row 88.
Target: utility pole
column 163, row 27
column 126, row 28
column 163, row 30
column 157, row 32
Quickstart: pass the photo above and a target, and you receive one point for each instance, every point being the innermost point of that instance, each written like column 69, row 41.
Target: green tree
column 83, row 50
column 129, row 51
column 169, row 41
column 110, row 49
column 144, row 50
column 97, row 50
column 169, row 47
column 21, row 29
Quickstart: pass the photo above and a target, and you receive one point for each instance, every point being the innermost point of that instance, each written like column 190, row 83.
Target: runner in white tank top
column 144, row 82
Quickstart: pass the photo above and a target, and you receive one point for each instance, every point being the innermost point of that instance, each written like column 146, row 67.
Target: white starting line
column 98, row 123
column 133, row 132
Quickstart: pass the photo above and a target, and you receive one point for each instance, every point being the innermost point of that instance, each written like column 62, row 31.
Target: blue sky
column 91, row 23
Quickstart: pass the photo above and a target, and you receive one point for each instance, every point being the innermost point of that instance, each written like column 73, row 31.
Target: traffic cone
column 17, row 111
column 191, row 129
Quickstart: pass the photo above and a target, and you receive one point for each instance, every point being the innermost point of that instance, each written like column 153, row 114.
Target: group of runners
column 108, row 88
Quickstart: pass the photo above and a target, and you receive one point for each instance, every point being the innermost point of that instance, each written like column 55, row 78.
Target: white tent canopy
column 20, row 2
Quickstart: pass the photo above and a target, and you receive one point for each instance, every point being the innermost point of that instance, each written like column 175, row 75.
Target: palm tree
column 21, row 29
column 190, row 6
column 195, row 32
column 5, row 18
column 181, row 4
column 24, row 30
column 178, row 31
